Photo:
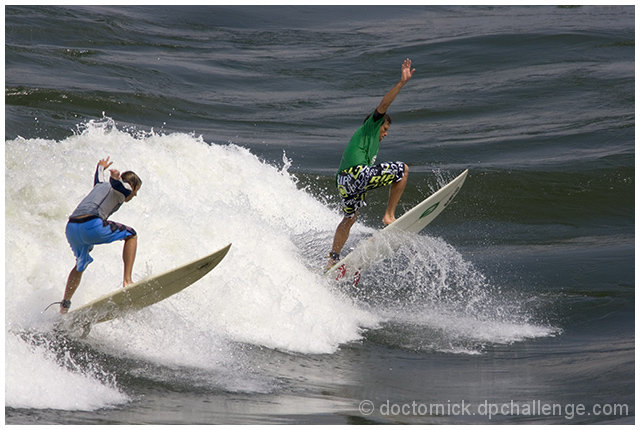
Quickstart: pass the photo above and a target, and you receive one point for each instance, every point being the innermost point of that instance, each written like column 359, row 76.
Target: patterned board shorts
column 82, row 237
column 354, row 183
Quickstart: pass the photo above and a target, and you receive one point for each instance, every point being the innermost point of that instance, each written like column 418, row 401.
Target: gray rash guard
column 104, row 199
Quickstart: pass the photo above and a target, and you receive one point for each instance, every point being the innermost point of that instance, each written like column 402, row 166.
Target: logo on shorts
column 429, row 210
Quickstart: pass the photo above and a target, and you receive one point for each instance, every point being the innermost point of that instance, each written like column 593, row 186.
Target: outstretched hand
column 388, row 98
column 105, row 163
column 407, row 71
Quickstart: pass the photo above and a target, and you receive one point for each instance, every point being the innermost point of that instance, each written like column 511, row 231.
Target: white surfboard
column 142, row 294
column 384, row 242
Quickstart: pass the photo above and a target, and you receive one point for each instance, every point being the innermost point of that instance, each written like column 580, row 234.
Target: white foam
column 447, row 304
column 195, row 198
column 35, row 378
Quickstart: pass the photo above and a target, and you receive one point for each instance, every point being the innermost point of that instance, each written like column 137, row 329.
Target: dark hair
column 387, row 117
column 132, row 179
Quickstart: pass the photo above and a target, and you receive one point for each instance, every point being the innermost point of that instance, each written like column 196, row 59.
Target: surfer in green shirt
column 358, row 174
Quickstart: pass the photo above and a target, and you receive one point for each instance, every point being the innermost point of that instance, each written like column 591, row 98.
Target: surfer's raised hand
column 407, row 71
column 388, row 98
column 105, row 163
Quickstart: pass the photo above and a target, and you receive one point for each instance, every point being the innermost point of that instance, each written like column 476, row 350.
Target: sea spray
column 196, row 197
column 432, row 298
column 43, row 375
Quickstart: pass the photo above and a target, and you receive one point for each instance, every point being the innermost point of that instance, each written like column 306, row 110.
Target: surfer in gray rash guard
column 88, row 225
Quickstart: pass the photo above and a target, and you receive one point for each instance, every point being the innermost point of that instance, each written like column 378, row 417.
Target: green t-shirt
column 364, row 144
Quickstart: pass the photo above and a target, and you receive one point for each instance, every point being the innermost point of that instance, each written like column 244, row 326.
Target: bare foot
column 388, row 220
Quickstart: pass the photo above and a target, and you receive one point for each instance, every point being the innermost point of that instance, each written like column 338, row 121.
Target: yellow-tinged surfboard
column 141, row 294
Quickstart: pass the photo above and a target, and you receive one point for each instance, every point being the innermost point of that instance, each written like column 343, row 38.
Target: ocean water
column 516, row 306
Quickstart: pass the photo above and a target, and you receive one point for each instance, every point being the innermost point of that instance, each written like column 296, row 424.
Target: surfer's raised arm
column 407, row 73
column 102, row 164
column 359, row 173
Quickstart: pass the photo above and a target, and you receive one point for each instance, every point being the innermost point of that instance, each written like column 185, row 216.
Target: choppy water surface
column 522, row 291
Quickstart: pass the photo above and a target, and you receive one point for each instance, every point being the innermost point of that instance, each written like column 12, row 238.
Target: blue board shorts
column 83, row 235
column 354, row 183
